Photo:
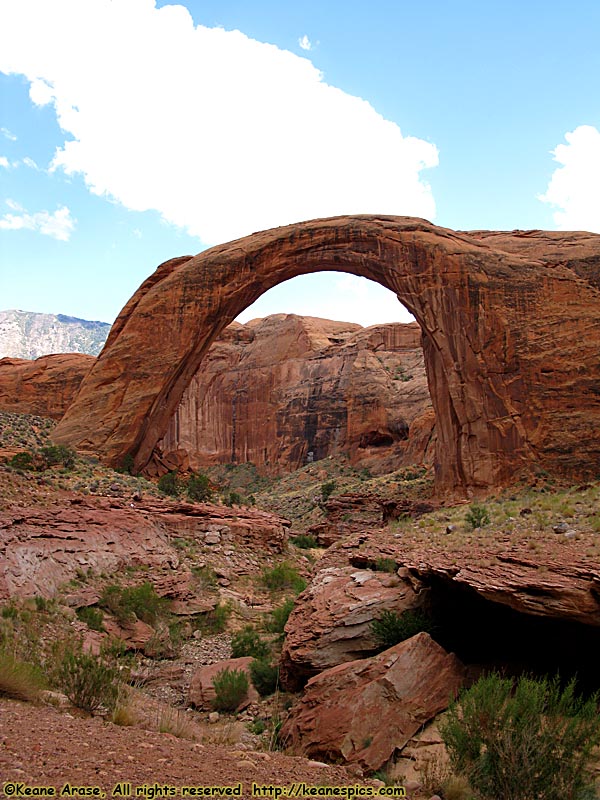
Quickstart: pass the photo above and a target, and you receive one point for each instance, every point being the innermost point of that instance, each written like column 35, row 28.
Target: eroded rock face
column 331, row 621
column 285, row 389
column 42, row 548
column 45, row 386
column 510, row 322
column 363, row 711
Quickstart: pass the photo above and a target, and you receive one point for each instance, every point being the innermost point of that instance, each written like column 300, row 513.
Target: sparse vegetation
column 134, row 602
column 170, row 484
column 283, row 576
column 92, row 617
column 477, row 516
column 198, row 488
column 384, row 564
column 327, row 489
column 87, row 680
column 532, row 740
column 231, row 686
column 214, row 621
column 305, row 541
column 19, row 679
column 391, row 628
column 247, row 642
column 265, row 676
column 279, row 616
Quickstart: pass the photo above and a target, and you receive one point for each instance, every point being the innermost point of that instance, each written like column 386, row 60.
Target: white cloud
column 305, row 43
column 14, row 205
column 29, row 162
column 221, row 134
column 574, row 188
column 58, row 225
column 8, row 135
column 4, row 162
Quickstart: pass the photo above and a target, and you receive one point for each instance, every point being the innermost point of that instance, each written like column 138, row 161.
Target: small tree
column 169, row 484
column 198, row 488
column 529, row 741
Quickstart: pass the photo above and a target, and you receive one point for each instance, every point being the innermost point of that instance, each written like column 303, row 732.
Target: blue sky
column 132, row 131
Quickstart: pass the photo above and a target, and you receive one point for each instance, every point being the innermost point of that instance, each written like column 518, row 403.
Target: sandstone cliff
column 286, row 389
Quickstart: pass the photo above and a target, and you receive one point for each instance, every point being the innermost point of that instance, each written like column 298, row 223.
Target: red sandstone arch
column 510, row 322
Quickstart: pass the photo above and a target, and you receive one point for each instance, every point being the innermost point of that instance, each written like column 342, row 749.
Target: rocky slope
column 25, row 334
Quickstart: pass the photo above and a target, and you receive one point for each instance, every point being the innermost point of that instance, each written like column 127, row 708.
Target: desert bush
column 87, row 681
column 391, row 628
column 23, row 460
column 198, row 488
column 265, row 676
column 247, row 642
column 133, row 602
column 92, row 617
column 19, row 679
column 529, row 740
column 283, row 576
column 170, row 484
column 279, row 616
column 231, row 686
column 327, row 489
column 304, row 541
column 54, row 454
column 477, row 516
column 385, row 565
column 215, row 621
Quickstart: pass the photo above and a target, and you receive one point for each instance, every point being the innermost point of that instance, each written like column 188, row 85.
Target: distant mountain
column 25, row 334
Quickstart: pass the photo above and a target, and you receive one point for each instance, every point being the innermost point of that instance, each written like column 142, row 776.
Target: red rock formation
column 42, row 548
column 279, row 388
column 331, row 622
column 45, row 386
column 363, row 711
column 510, row 322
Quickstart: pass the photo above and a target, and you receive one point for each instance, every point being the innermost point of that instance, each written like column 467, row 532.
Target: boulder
column 331, row 621
column 364, row 711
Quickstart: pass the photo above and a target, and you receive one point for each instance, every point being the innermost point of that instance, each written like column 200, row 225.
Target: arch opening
column 283, row 389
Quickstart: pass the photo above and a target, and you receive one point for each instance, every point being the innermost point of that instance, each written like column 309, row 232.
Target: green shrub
column 283, row 576
column 54, row 454
column 215, row 621
column 198, row 488
column 529, row 741
column 265, row 676
column 127, row 465
column 247, row 642
column 170, row 484
column 133, row 602
column 327, row 489
column 279, row 616
column 391, row 628
column 92, row 617
column 86, row 680
column 385, row 565
column 304, row 540
column 477, row 516
column 231, row 686
column 23, row 460
column 233, row 499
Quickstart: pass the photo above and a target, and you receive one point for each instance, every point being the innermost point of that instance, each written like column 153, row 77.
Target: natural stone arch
column 488, row 306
